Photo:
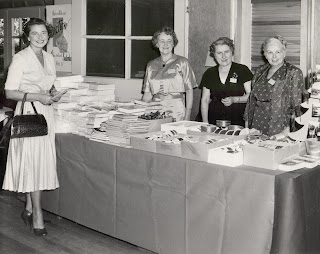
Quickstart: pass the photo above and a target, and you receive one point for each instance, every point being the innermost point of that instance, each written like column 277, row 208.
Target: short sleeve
column 297, row 86
column 206, row 80
column 189, row 77
column 146, row 81
column 246, row 74
column 15, row 73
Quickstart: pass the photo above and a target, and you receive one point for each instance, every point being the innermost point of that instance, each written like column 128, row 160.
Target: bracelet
column 235, row 99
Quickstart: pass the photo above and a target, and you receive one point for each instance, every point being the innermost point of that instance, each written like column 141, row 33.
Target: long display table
column 172, row 205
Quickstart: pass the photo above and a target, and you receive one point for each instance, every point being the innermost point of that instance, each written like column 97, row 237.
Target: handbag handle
column 22, row 105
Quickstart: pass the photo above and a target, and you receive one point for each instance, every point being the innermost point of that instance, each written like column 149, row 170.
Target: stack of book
column 67, row 82
column 151, row 106
column 122, row 126
column 86, row 105
column 100, row 136
column 132, row 109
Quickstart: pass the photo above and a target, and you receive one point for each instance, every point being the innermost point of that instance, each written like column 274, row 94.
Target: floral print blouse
column 174, row 76
column 274, row 101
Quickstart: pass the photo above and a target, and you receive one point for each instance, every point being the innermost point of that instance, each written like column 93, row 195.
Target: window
column 17, row 41
column 116, row 35
column 11, row 23
column 122, row 30
column 269, row 19
column 294, row 20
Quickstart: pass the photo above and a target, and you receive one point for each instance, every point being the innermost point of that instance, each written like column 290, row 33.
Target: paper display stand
column 310, row 119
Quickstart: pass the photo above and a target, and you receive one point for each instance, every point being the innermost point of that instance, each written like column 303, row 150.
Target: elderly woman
column 169, row 77
column 225, row 87
column 277, row 91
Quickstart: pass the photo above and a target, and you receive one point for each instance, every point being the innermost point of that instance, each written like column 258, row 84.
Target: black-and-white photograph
column 159, row 126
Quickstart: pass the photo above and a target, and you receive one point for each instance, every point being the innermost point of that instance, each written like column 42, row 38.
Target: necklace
column 165, row 62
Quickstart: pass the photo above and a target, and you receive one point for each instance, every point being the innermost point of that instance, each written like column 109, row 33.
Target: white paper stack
column 68, row 82
column 151, row 106
column 122, row 126
column 132, row 109
column 99, row 136
column 297, row 162
column 81, row 99
column 95, row 119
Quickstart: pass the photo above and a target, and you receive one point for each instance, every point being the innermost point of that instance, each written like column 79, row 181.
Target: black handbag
column 30, row 125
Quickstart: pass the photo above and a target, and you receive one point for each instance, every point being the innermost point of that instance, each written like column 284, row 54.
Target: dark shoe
column 26, row 216
column 46, row 222
column 40, row 231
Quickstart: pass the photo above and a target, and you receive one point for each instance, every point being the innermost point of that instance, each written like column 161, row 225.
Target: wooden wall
column 209, row 20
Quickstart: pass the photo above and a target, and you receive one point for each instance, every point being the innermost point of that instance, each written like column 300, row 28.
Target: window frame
column 307, row 63
column 8, row 15
column 181, row 27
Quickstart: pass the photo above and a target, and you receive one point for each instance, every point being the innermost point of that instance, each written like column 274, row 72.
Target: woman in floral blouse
column 276, row 94
column 169, row 78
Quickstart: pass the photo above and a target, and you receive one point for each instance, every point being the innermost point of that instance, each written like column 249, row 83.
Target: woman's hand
column 56, row 96
column 227, row 101
column 45, row 99
column 281, row 135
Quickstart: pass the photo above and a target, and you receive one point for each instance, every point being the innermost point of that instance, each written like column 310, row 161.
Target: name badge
column 171, row 71
column 233, row 80
column 271, row 81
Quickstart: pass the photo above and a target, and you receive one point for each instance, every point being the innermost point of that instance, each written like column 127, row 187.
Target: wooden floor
column 63, row 236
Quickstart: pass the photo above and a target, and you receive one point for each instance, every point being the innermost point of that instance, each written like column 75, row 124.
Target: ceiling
column 24, row 3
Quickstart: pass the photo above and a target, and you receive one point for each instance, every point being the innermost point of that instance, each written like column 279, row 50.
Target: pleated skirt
column 31, row 162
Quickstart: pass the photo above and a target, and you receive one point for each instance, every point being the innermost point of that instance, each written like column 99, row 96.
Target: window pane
column 17, row 45
column 150, row 15
column 105, row 17
column 105, row 58
column 24, row 21
column 16, row 27
column 1, row 27
column 1, row 46
column 142, row 53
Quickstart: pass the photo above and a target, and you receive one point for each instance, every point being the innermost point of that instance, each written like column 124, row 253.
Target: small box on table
column 172, row 145
column 145, row 141
column 155, row 124
column 269, row 154
column 199, row 147
column 230, row 155
column 182, row 126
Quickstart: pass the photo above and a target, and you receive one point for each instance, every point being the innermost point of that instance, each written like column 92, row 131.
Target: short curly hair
column 168, row 31
column 36, row 21
column 221, row 41
column 277, row 37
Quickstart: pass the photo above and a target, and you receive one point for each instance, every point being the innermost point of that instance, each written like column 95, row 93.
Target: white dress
column 31, row 162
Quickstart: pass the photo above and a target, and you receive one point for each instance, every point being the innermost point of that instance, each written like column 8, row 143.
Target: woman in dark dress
column 225, row 87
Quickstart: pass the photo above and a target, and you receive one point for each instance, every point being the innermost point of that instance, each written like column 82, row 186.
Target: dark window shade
column 142, row 53
column 105, row 17
column 105, row 58
column 149, row 16
column 275, row 18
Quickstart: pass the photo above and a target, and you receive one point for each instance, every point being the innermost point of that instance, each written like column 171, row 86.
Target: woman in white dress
column 31, row 163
